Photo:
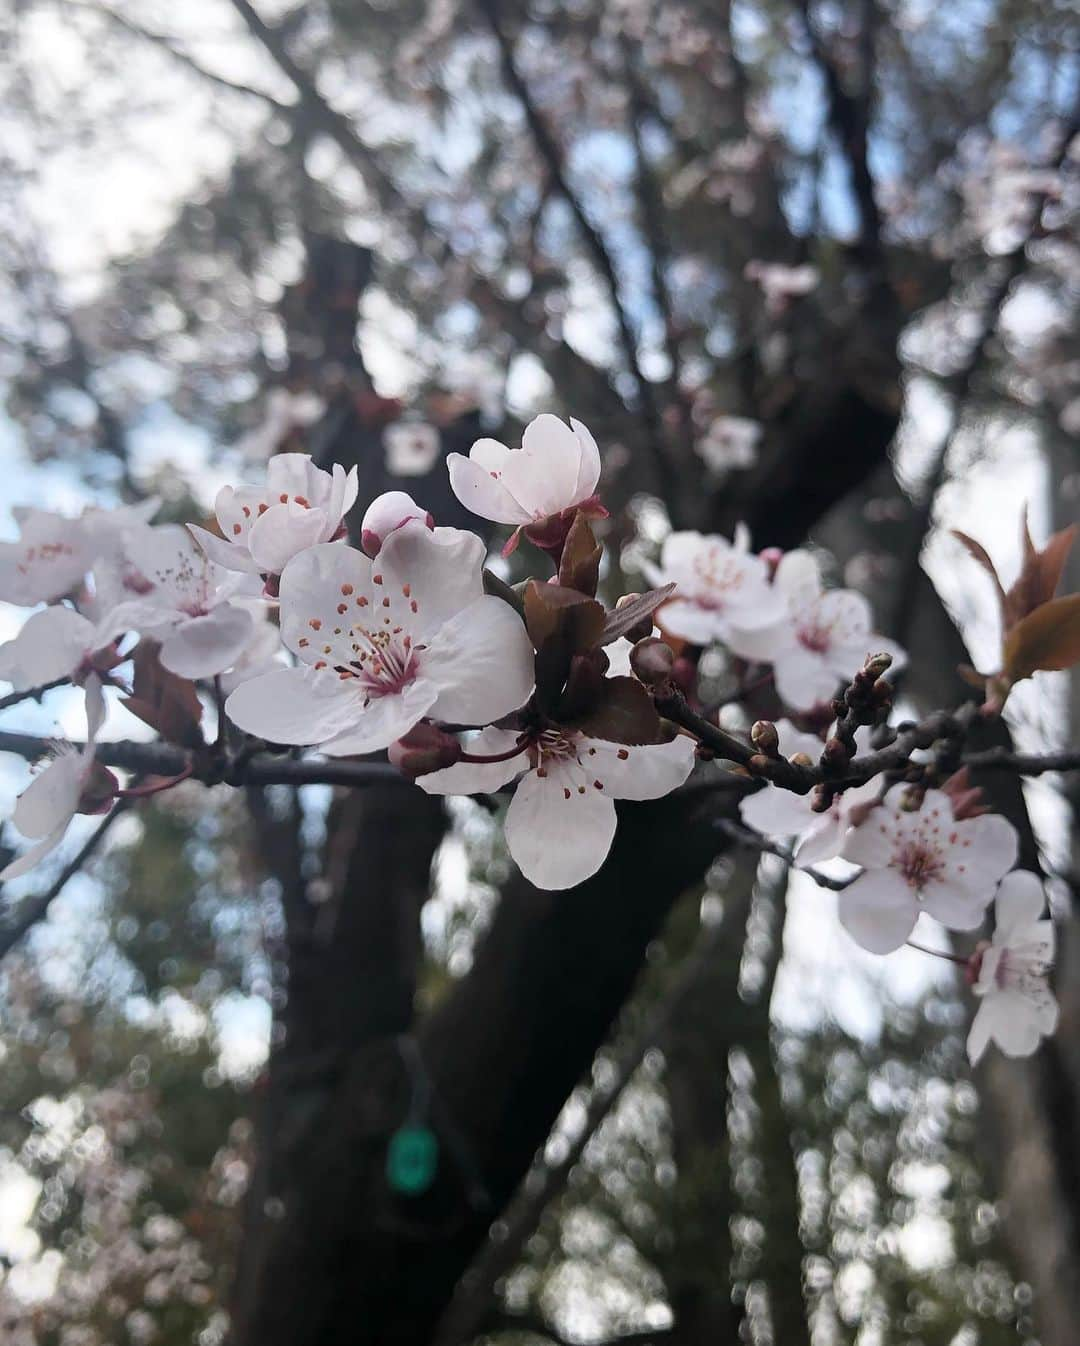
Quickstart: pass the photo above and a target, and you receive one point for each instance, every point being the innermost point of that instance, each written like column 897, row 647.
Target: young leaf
column 624, row 713
column 561, row 623
column 579, row 565
column 164, row 701
column 1047, row 639
column 626, row 618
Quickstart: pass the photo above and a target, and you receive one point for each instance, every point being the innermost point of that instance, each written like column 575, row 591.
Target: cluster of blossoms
column 409, row 645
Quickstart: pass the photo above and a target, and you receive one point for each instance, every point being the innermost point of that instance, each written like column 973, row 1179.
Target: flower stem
column 155, row 787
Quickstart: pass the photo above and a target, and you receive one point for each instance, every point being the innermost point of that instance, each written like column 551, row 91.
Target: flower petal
column 439, row 571
column 1020, row 901
column 482, row 663
column 822, row 842
column 282, row 532
column 295, row 705
column 798, row 578
column 50, row 645
column 203, row 646
column 22, row 864
column 557, row 836
column 777, row 813
column 871, row 844
column 878, row 910
column 955, row 907
column 383, row 720
column 481, row 493
column 543, row 476
column 985, row 849
column 315, row 584
column 647, row 771
column 51, row 798
column 589, row 464
column 803, row 678
column 225, row 554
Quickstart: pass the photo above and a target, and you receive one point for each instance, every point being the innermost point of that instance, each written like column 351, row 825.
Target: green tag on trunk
column 411, row 1160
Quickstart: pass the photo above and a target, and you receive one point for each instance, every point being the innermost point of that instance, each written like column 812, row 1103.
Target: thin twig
column 747, row 836
column 32, row 693
column 33, row 909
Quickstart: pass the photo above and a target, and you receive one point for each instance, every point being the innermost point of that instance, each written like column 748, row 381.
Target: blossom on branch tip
column 821, row 638
column 412, row 448
column 264, row 527
column 560, row 823
column 918, row 860
column 555, row 471
column 778, row 813
column 719, row 585
column 1018, row 1008
column 384, row 643
column 66, row 786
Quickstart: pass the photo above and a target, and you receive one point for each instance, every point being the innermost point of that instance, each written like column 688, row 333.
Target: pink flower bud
column 424, row 748
column 385, row 514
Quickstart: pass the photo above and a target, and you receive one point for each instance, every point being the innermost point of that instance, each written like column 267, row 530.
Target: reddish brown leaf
column 979, row 552
column 624, row 714
column 561, row 623
column 164, row 701
column 1047, row 639
column 627, row 617
column 579, row 565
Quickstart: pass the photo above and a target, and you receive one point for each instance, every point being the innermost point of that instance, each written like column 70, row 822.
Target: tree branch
column 33, row 909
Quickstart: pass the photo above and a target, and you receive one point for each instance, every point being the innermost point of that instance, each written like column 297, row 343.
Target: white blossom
column 55, row 643
column 384, row 643
column 194, row 608
column 54, row 553
column 263, row 528
column 48, row 804
column 561, row 821
column 821, row 639
column 719, row 585
column 730, row 444
column 557, row 467
column 780, row 284
column 285, row 411
column 781, row 813
column 1018, row 1008
column 922, row 860
column 412, row 448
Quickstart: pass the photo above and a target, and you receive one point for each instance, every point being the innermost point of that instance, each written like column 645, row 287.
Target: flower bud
column 764, row 737
column 644, row 629
column 835, row 752
column 424, row 748
column 385, row 514
column 652, row 660
column 877, row 664
column 800, row 759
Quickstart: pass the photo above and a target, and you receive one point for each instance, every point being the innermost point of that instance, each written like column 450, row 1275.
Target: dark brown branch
column 33, row 909
column 161, row 759
column 747, row 836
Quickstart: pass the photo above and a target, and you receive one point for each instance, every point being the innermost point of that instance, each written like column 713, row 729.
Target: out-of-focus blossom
column 730, row 444
column 412, row 448
column 781, row 284
column 55, row 643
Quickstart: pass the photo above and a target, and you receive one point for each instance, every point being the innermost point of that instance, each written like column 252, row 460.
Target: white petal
column 225, row 554
column 543, row 476
column 1011, row 1022
column 955, row 907
column 168, row 558
column 295, row 474
column 777, row 813
column 22, row 864
column 480, row 493
column 282, row 532
column 979, row 1035
column 822, row 842
column 482, row 662
column 804, row 678
column 878, row 911
column 295, row 705
column 763, row 644
column 649, row 771
column 794, row 740
column 557, row 835
column 589, row 465
column 440, row 569
column 798, row 578
column 871, row 844
column 51, row 645
column 470, row 778
column 985, row 848
column 95, row 710
column 203, row 646
column 389, row 511
column 383, row 720
column 1020, row 901
column 314, row 585
column 689, row 621
column 51, row 798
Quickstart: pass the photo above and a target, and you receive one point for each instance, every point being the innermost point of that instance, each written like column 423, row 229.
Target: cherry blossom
column 556, row 469
column 54, row 553
column 190, row 607
column 57, row 642
column 1018, row 1007
column 781, row 284
column 262, row 654
column 561, row 821
column 780, row 813
column 285, row 412
column 412, row 448
column 730, row 444
column 720, row 585
column 386, row 513
column 821, row 639
column 384, row 643
column 919, row 860
column 48, row 804
column 264, row 527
